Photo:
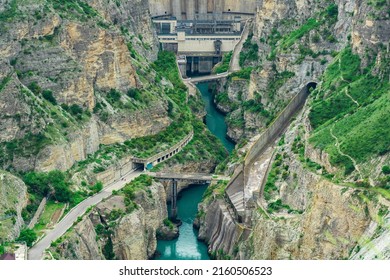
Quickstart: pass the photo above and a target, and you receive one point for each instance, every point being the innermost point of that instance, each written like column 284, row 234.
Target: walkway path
column 353, row 100
column 235, row 62
column 37, row 251
column 341, row 152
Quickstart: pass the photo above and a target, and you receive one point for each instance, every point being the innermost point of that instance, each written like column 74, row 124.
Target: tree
column 35, row 88
column 48, row 95
column 114, row 95
column 27, row 235
column 108, row 251
column 75, row 110
column 37, row 183
column 386, row 169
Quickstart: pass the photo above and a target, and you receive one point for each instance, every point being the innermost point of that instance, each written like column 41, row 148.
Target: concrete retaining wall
column 38, row 213
column 276, row 128
column 115, row 171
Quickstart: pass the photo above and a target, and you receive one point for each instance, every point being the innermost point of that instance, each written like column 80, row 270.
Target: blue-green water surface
column 215, row 121
column 187, row 247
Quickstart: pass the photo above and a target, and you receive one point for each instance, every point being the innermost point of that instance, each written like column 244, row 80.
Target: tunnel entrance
column 138, row 166
column 311, row 86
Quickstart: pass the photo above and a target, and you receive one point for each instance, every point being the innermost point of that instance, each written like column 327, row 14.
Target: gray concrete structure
column 235, row 188
column 190, row 9
column 203, row 9
column 164, row 155
column 176, row 9
column 174, row 178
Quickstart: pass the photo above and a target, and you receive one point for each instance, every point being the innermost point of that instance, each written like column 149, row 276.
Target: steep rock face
column 305, row 214
column 13, row 193
column 328, row 229
column 76, row 56
column 103, row 57
column 135, row 16
column 135, row 236
column 81, row 244
column 109, row 231
column 375, row 243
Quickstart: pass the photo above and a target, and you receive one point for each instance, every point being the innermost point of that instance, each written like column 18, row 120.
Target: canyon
column 88, row 86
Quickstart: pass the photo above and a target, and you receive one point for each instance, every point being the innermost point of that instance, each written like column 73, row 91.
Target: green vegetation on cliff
column 350, row 113
column 27, row 235
column 321, row 22
column 140, row 183
column 224, row 64
column 57, row 186
column 249, row 52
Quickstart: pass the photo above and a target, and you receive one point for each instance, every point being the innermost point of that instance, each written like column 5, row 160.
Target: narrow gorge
column 264, row 125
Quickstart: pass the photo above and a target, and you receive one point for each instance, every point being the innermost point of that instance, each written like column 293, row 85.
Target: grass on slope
column 355, row 107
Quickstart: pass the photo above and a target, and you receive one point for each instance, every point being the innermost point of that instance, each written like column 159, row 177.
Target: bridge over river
column 194, row 178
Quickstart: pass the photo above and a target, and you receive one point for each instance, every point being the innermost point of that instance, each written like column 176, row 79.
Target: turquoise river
column 187, row 247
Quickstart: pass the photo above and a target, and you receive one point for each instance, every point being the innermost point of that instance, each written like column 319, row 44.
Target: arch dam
column 236, row 188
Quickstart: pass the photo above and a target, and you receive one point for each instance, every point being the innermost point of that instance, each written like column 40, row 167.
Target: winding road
column 37, row 251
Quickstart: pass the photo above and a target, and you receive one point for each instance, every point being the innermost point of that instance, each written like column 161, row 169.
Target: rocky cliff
column 13, row 193
column 112, row 231
column 325, row 194
column 65, row 72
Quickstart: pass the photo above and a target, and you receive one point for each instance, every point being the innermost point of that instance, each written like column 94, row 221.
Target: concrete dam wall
column 202, row 9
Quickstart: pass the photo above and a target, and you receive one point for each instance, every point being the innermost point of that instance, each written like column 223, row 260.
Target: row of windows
column 200, row 39
column 168, row 39
column 212, row 39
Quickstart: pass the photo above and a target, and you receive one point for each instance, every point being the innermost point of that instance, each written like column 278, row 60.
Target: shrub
column 224, row 66
column 134, row 93
column 168, row 223
column 27, row 235
column 250, row 52
column 48, row 95
column 113, row 96
column 332, row 11
column 76, row 110
column 35, row 88
column 97, row 187
column 54, row 182
column 386, row 169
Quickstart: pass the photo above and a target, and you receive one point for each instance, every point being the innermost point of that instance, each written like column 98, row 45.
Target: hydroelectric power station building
column 200, row 31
